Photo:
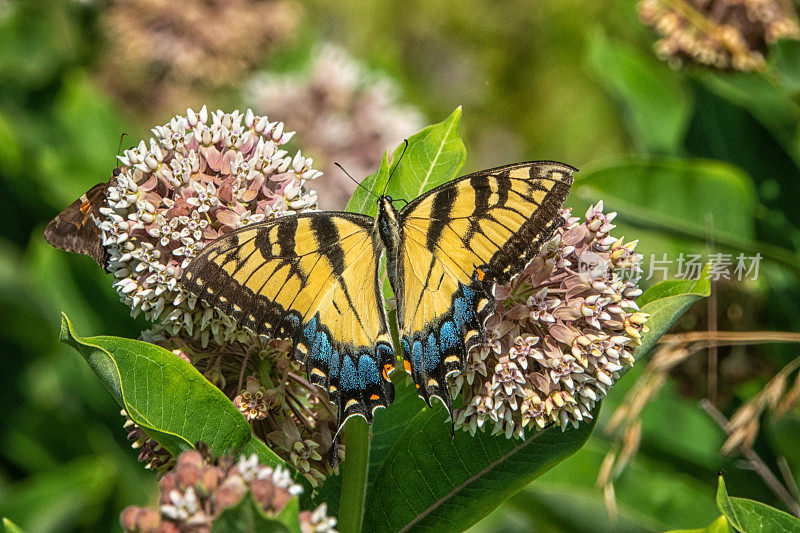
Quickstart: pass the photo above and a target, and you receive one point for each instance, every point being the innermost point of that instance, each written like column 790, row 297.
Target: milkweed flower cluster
column 200, row 488
column 725, row 34
column 563, row 330
column 342, row 112
column 198, row 177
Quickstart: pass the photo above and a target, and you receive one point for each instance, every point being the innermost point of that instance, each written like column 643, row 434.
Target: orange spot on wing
column 374, row 397
column 407, row 365
column 386, row 369
column 481, row 274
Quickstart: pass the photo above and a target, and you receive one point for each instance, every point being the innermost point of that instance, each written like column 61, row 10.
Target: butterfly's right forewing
column 458, row 239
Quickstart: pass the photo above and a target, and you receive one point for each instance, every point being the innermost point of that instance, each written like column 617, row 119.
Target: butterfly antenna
column 355, row 180
column 405, row 147
column 121, row 137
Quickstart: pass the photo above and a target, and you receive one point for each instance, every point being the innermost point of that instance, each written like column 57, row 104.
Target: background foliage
column 692, row 160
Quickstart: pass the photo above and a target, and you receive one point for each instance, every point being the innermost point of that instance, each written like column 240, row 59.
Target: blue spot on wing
column 310, row 330
column 432, row 355
column 349, row 375
column 321, row 351
column 333, row 365
column 448, row 336
column 368, row 371
column 462, row 311
column 416, row 355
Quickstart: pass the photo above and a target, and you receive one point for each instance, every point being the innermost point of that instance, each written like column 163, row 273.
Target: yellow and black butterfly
column 314, row 278
column 74, row 229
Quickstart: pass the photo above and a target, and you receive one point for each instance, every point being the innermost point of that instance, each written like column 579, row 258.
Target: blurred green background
column 574, row 81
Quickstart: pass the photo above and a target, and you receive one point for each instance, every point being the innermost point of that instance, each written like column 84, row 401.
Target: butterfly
column 315, row 279
column 75, row 230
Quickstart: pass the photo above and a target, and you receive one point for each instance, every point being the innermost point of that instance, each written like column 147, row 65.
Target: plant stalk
column 355, row 466
column 354, row 474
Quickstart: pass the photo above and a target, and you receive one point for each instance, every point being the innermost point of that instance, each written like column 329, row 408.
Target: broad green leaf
column 433, row 156
column 432, row 481
column 784, row 58
column 247, row 516
column 749, row 515
column 720, row 525
column 167, row 397
column 651, row 96
column 11, row 527
column 675, row 196
column 666, row 302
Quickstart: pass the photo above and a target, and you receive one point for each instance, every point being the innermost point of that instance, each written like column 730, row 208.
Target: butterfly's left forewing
column 74, row 229
column 313, row 279
column 458, row 240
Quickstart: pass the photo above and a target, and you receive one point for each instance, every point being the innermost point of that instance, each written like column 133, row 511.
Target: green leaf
column 666, row 302
column 433, row 156
column 770, row 104
column 247, row 516
column 654, row 102
column 10, row 527
column 430, row 480
column 675, row 196
column 167, row 397
column 354, row 474
column 363, row 200
column 749, row 515
column 720, row 525
column 784, row 58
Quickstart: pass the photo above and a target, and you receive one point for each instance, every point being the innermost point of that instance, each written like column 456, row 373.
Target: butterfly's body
column 388, row 229
column 314, row 278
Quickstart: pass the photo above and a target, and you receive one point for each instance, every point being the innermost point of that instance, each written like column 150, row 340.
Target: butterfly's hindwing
column 311, row 279
column 458, row 239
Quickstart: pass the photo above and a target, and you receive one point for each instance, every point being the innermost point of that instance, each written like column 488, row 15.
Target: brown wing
column 74, row 230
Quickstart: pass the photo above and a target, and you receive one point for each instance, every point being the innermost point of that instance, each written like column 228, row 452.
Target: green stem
column 355, row 466
column 354, row 474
